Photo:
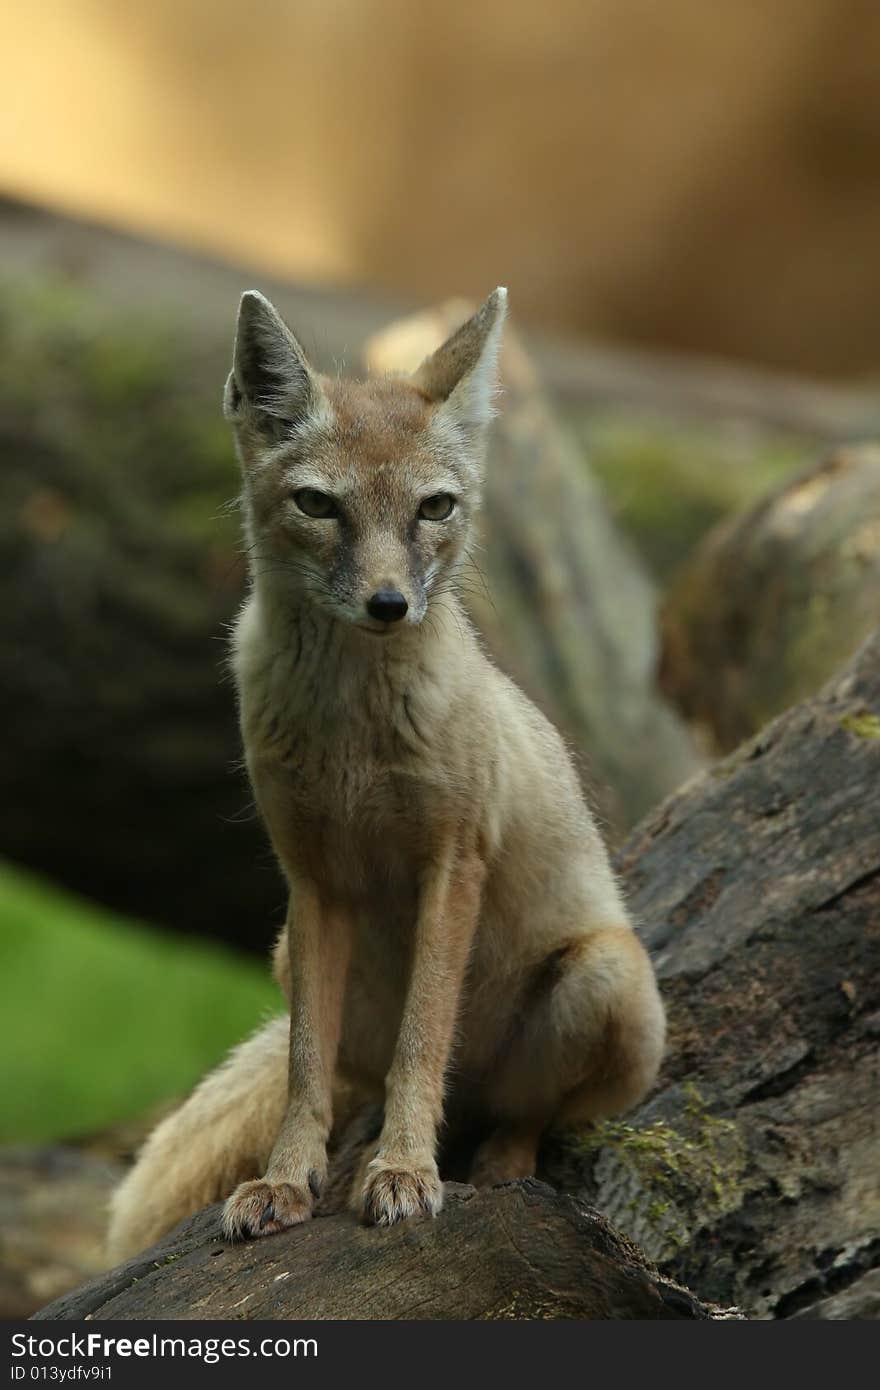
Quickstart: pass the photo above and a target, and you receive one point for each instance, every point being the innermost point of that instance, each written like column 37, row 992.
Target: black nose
column 387, row 606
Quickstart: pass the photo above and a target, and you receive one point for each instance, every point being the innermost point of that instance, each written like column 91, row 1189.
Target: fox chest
column 354, row 808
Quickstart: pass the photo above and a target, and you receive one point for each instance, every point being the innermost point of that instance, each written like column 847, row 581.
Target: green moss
column 674, row 1179
column 862, row 724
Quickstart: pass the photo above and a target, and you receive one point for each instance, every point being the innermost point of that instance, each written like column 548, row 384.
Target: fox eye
column 438, row 507
column 319, row 505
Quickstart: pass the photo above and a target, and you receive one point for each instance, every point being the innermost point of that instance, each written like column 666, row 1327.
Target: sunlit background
column 684, row 201
column 694, row 175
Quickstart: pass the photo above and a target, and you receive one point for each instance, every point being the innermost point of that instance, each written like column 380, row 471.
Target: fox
column 456, row 947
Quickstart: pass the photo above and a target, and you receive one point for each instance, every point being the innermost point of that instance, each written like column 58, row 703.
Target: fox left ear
column 463, row 372
column 271, row 380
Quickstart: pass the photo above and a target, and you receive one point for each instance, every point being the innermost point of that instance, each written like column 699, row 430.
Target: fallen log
column 753, row 1171
column 518, row 1251
column 750, row 1174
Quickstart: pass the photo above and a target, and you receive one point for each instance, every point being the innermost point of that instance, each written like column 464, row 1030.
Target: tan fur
column 222, row 1134
column 455, row 927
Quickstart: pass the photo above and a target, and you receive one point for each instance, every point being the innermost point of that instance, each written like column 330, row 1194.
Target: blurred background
column 683, row 519
column 692, row 176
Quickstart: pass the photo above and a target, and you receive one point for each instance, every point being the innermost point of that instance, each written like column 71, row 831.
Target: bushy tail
column 221, row 1135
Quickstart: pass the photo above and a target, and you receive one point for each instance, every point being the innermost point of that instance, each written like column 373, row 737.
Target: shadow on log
column 519, row 1251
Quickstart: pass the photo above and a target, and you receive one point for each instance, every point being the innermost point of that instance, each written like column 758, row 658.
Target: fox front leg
column 319, row 943
column 402, row 1180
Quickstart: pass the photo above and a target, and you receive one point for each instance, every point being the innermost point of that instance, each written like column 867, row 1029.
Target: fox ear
column 464, row 371
column 271, row 383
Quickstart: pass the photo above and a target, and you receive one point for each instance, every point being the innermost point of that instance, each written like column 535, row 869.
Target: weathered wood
column 519, row 1251
column 758, row 891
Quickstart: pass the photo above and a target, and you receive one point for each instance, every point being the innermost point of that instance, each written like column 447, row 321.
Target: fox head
column 361, row 496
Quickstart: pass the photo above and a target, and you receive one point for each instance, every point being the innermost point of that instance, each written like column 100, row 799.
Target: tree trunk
column 750, row 1174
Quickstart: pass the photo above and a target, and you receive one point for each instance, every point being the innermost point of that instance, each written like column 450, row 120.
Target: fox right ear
column 271, row 384
column 462, row 374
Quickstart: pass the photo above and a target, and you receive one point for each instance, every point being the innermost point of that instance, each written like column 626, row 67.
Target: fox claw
column 260, row 1208
column 395, row 1193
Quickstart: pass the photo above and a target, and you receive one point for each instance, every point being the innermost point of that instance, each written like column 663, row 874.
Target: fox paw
column 395, row 1192
column 260, row 1208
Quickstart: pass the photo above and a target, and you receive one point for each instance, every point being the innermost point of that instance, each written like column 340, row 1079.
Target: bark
column 750, row 1174
column 520, row 1251
column 775, row 600
column 758, row 892
column 561, row 598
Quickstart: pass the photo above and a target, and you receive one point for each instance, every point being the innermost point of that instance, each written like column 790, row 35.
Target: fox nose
column 387, row 606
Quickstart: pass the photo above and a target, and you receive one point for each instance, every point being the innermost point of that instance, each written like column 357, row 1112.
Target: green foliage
column 103, row 1018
